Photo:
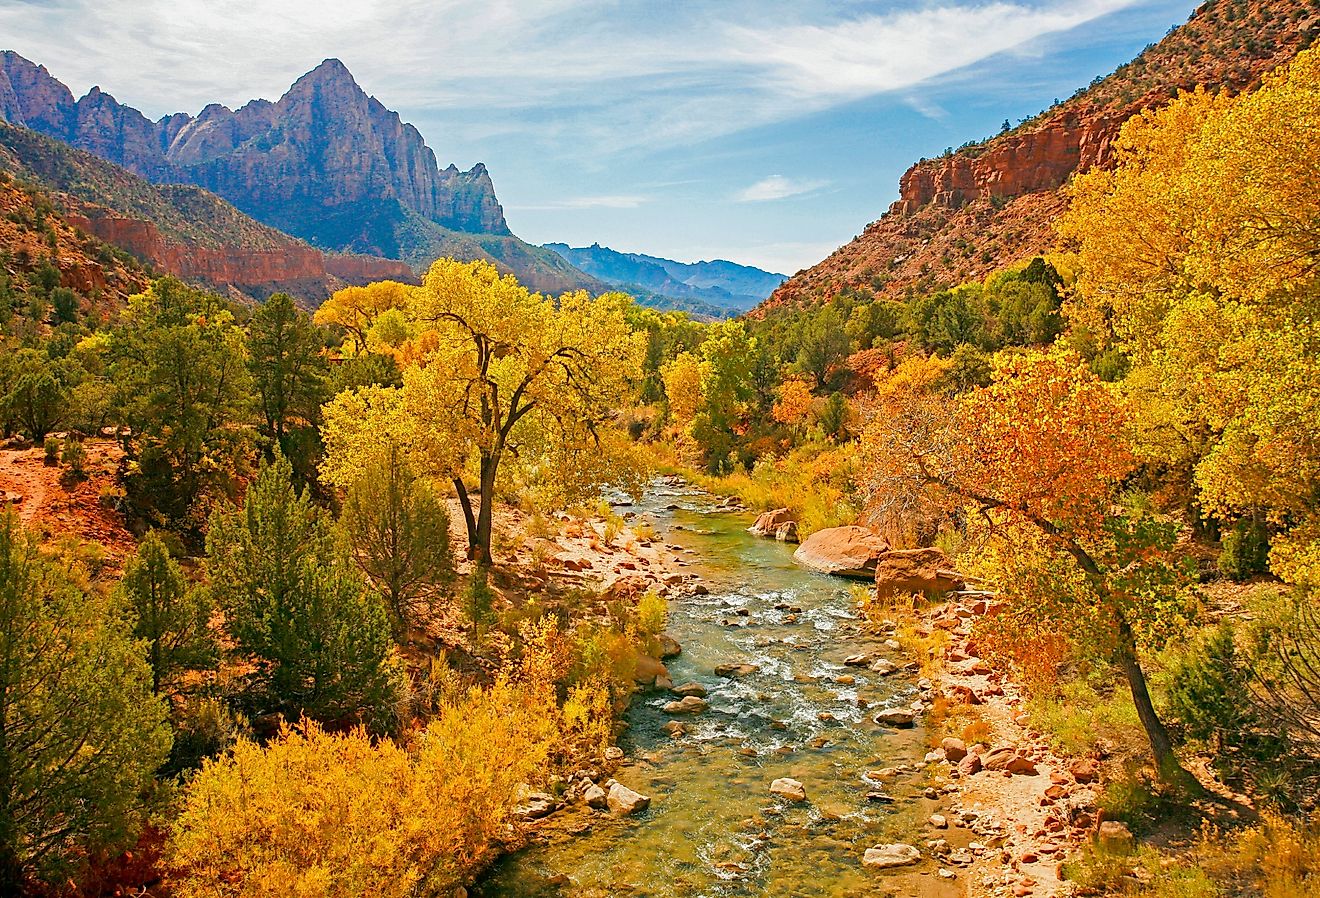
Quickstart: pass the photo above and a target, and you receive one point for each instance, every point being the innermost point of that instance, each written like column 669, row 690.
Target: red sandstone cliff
column 964, row 215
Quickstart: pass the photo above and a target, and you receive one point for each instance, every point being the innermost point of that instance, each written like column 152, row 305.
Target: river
column 713, row 829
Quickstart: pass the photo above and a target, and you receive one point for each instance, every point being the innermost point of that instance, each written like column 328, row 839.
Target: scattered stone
column 1083, row 770
column 536, row 805
column 735, row 669
column 790, row 789
column 939, row 821
column 664, row 683
column 690, row 704
column 858, row 660
column 885, row 857
column 649, row 670
column 884, row 667
column 946, row 873
column 880, row 797
column 613, row 753
column 675, row 729
column 622, row 800
column 845, row 680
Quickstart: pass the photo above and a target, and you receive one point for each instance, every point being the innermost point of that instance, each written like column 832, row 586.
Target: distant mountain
column 179, row 229
column 326, row 163
column 716, row 288
column 992, row 203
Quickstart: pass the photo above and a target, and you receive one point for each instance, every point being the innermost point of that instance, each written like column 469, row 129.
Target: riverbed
column 713, row 829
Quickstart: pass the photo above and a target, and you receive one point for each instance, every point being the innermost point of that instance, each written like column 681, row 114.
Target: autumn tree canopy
column 496, row 373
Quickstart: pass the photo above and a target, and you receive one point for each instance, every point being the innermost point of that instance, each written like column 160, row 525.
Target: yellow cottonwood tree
column 496, row 372
column 356, row 309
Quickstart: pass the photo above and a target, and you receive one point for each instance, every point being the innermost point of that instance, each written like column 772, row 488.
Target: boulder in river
column 669, row 647
column 690, row 688
column 622, row 800
column 885, row 857
column 690, row 704
column 896, row 717
column 843, row 551
column 787, row 533
column 769, row 522
column 788, row 788
column 901, row 572
column 735, row 669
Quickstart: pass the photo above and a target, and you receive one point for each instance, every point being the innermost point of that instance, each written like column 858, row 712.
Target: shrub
column 52, row 447
column 1246, row 550
column 74, row 458
column 319, row 815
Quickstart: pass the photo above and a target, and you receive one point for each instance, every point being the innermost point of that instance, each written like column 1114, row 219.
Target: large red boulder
column 906, row 571
column 843, row 551
column 769, row 522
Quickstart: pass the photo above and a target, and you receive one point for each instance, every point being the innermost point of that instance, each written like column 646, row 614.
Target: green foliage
column 178, row 363
column 169, row 617
column 822, row 346
column 288, row 370
column 367, row 369
column 478, row 601
column 51, row 447
column 80, row 732
column 74, row 459
column 1209, row 690
column 1246, row 550
column 834, row 418
column 36, row 397
column 294, row 603
column 65, row 303
column 398, row 531
column 946, row 320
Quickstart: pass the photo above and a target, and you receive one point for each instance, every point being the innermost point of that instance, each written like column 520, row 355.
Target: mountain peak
column 330, row 71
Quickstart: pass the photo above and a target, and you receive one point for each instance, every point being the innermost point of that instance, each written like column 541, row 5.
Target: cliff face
column 988, row 205
column 324, row 146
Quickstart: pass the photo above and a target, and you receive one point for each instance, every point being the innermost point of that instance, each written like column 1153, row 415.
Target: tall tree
column 497, row 373
column 398, row 531
column 170, row 618
column 179, row 367
column 288, row 370
column 296, row 606
column 80, row 731
column 1043, row 451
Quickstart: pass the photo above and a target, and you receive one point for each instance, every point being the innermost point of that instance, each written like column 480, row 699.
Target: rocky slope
column 993, row 203
column 179, row 229
column 33, row 232
column 326, row 163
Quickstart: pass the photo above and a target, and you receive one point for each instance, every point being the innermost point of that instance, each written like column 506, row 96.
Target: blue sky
column 760, row 131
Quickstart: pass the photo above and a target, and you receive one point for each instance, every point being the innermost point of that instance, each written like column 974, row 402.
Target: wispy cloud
column 611, row 201
column 777, row 187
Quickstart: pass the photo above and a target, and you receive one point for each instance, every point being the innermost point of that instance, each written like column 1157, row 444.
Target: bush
column 1209, row 690
column 74, row 458
column 52, row 447
column 316, row 814
column 1245, row 550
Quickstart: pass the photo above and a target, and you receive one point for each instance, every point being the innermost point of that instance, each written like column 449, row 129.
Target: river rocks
column 843, row 551
column 886, row 857
column 884, row 667
column 970, row 765
column 939, row 821
column 690, row 688
column 595, row 797
column 769, row 522
column 613, row 753
column 858, row 660
column 675, row 729
column 1114, row 836
column 787, row 533
column 906, row 571
column 1007, row 759
column 623, row 801
column 1083, row 770
column 690, row 704
column 896, row 717
column 664, row 683
column 790, row 789
column 735, row 669
column 669, row 647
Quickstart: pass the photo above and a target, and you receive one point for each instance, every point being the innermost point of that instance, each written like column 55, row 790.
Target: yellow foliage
column 683, row 377
column 356, row 309
column 316, row 814
column 793, row 404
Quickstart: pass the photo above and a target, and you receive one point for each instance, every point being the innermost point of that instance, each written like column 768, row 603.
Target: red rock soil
column 1028, row 807
column 35, row 491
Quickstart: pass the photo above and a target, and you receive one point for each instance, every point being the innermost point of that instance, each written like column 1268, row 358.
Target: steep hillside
column 180, row 229
column 992, row 203
column 33, row 235
column 326, row 163
column 717, row 288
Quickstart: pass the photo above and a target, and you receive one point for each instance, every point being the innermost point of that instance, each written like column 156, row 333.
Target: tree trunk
column 466, row 502
column 485, row 510
column 1161, row 746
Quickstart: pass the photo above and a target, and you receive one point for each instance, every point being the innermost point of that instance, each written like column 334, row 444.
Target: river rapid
column 713, row 829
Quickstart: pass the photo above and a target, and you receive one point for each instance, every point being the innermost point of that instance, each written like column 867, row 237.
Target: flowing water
column 713, row 829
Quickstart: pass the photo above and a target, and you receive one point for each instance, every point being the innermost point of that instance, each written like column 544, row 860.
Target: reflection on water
column 713, row 828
